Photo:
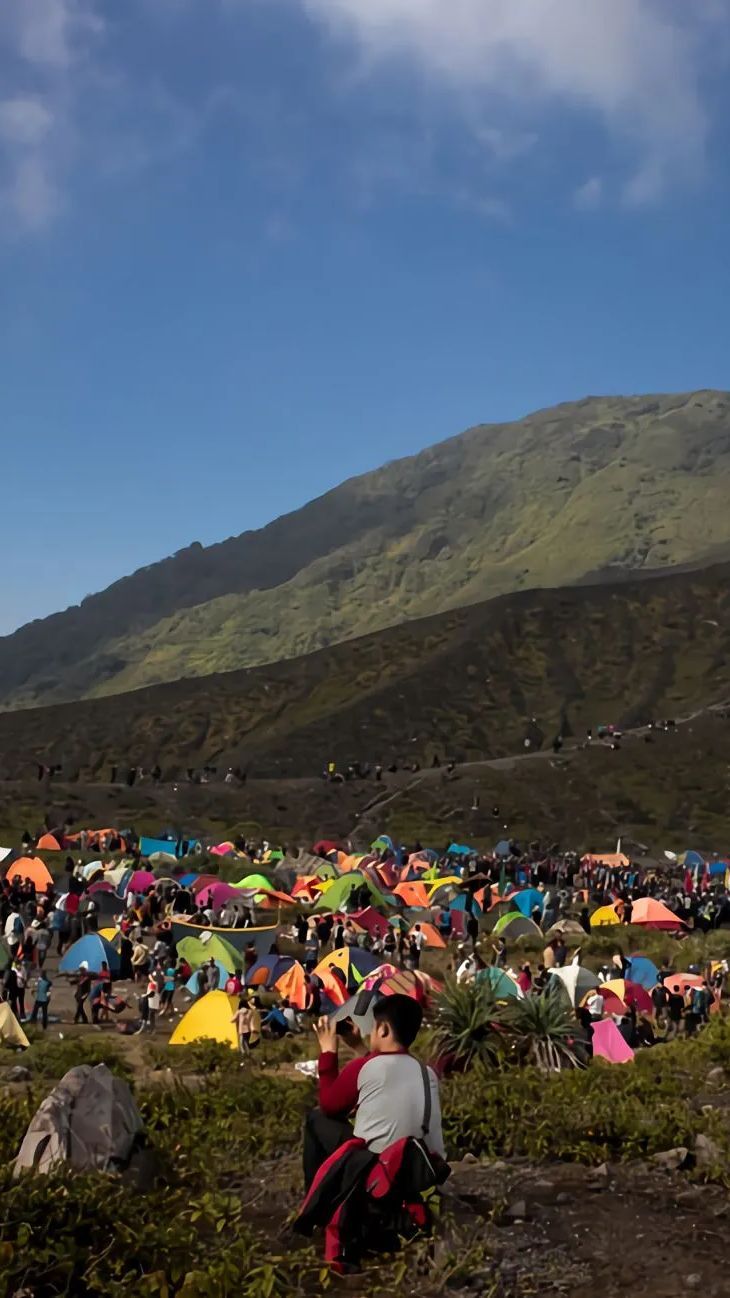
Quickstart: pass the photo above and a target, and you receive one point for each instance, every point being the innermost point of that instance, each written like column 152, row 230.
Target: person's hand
column 351, row 1035
column 326, row 1034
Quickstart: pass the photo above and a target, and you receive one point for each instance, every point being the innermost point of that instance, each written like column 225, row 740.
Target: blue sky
column 251, row 247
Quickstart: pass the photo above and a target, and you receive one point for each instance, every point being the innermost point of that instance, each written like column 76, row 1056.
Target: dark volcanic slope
column 601, row 485
column 464, row 683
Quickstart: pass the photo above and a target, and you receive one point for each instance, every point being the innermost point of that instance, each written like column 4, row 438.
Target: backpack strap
column 427, row 1101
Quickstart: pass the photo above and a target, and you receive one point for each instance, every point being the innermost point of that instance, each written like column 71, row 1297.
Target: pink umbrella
column 140, row 881
column 609, row 1044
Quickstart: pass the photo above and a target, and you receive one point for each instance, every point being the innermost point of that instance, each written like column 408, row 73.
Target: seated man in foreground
column 385, row 1089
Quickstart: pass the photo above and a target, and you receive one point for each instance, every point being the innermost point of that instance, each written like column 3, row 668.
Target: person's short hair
column 403, row 1015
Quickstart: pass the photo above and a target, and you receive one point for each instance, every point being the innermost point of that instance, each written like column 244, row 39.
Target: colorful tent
column 217, row 894
column 191, row 985
column 92, row 949
column 255, row 883
column 267, row 971
column 140, row 881
column 679, row 982
column 654, row 914
column 432, row 936
column 514, row 924
column 48, row 843
column 576, row 980
column 604, row 916
column 31, row 867
column 340, row 891
column 412, row 894
column 353, row 962
column 566, row 928
column 611, row 860
column 370, row 921
column 628, row 994
column 196, row 950
column 293, row 987
column 208, row 1019
column 642, row 970
column 11, row 1033
column 527, row 900
column 503, row 986
column 609, row 1044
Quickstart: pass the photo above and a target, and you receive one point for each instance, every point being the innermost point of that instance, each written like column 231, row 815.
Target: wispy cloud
column 588, row 196
column 634, row 65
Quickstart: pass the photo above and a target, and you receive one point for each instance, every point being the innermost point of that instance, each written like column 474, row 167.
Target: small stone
column 18, row 1074
column 562, row 1197
column 692, row 1281
column 671, row 1159
column 716, row 1076
column 470, row 1158
column 517, row 1211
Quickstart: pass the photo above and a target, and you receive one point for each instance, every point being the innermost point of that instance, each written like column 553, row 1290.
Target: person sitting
column 384, row 1088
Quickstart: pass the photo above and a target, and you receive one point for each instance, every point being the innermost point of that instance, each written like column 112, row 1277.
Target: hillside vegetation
column 465, row 684
column 584, row 490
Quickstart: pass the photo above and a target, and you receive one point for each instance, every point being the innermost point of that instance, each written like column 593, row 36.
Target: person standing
column 42, row 997
column 168, row 991
column 153, row 1001
column 81, row 995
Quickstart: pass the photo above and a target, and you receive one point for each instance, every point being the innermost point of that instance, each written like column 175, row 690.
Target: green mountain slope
column 582, row 490
column 464, row 683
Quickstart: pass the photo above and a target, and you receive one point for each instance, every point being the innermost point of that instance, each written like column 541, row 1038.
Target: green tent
column 504, row 987
column 197, row 952
column 258, row 881
column 515, row 924
column 336, row 896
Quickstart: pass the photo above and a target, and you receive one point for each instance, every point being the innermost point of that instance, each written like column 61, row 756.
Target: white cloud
column 32, row 195
column 587, row 197
column 48, row 33
column 24, row 121
column 634, row 64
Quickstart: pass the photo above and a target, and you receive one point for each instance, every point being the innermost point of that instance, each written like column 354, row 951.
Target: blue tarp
column 149, row 845
column 192, row 982
column 503, row 848
column 460, row 849
column 718, row 867
column 643, row 971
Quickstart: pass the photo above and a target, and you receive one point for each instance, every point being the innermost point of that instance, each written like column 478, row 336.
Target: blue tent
column 191, row 985
column 93, row 949
column 692, row 859
column 466, row 901
column 267, row 969
column 718, row 867
column 461, row 849
column 185, row 880
column 527, row 900
column 503, row 848
column 643, row 971
column 147, row 846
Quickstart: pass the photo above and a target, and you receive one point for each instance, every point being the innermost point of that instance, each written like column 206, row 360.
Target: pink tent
column 222, row 849
column 609, row 1044
column 371, row 921
column 140, row 881
column 217, row 894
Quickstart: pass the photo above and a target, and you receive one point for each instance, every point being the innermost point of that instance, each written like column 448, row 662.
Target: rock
column 716, row 1076
column 18, row 1074
column 600, row 1177
column 517, row 1211
column 671, row 1159
column 706, row 1151
column 563, row 1197
column 692, row 1281
column 470, row 1158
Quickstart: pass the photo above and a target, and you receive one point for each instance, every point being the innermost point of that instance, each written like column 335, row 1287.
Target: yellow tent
column 208, row 1019
column 603, row 916
column 112, row 935
column 11, row 1033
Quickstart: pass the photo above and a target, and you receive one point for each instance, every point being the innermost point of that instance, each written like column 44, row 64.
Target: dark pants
column 40, row 1007
column 322, row 1136
column 80, row 1015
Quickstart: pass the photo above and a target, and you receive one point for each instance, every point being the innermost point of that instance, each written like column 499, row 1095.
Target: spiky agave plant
column 469, row 1025
column 544, row 1031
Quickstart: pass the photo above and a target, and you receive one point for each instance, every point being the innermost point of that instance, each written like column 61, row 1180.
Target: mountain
column 467, row 684
column 583, row 491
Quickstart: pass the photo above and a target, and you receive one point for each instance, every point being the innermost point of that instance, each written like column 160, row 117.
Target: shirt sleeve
column 338, row 1091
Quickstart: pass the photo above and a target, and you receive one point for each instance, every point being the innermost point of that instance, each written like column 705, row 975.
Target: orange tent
column 293, row 985
column 431, row 934
column 31, row 867
column 48, row 843
column 612, row 860
column 348, row 863
column 654, row 914
column 413, row 894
